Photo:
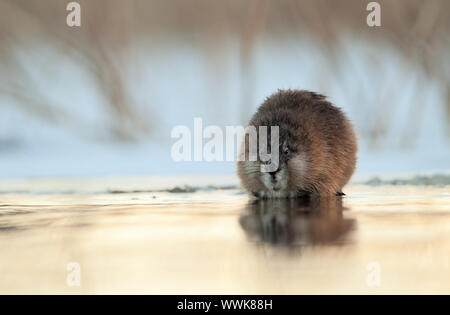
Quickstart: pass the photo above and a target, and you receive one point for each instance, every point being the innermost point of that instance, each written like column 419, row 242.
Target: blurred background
column 102, row 99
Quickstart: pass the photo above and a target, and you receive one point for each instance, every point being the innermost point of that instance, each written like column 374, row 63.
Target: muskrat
column 317, row 148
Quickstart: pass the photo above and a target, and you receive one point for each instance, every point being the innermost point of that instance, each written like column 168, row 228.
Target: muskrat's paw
column 259, row 195
column 302, row 194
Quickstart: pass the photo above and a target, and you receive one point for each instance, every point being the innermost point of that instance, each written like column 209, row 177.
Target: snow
column 173, row 83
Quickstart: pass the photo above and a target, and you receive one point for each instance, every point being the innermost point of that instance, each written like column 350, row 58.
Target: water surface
column 384, row 239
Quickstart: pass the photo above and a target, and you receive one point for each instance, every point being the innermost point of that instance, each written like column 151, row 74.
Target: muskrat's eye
column 286, row 151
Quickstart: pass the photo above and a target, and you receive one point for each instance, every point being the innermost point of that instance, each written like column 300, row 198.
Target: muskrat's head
column 283, row 165
column 274, row 171
column 279, row 166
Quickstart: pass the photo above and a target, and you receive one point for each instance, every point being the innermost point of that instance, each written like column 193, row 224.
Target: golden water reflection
column 297, row 222
column 216, row 242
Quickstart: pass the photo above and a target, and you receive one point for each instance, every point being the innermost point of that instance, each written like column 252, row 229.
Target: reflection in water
column 305, row 221
column 181, row 242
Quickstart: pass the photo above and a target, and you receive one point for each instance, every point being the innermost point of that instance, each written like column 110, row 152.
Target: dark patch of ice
column 185, row 189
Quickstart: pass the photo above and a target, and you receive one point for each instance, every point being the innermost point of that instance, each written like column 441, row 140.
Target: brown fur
column 322, row 144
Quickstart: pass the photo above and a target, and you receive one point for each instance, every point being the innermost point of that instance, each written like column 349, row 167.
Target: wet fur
column 322, row 140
